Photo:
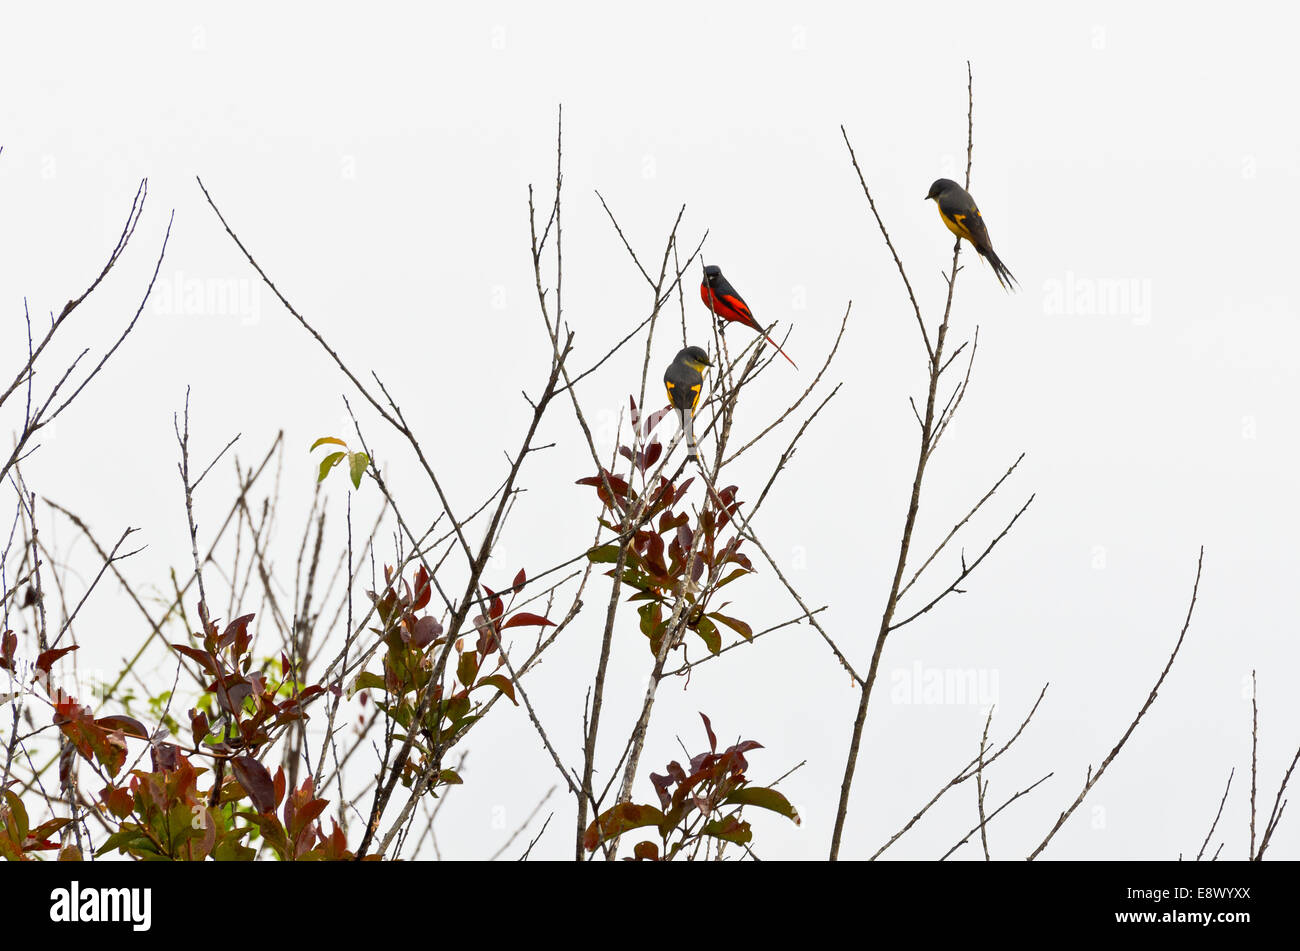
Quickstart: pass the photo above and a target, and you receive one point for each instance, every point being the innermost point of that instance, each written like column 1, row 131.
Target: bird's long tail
column 779, row 350
column 687, row 420
column 1000, row 270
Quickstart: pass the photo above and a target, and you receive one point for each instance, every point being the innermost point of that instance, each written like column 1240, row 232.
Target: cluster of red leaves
column 163, row 812
column 414, row 640
column 705, row 803
column 18, row 838
column 658, row 564
column 246, row 695
column 165, row 815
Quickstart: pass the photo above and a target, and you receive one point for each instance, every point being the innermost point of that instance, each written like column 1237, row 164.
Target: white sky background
column 377, row 165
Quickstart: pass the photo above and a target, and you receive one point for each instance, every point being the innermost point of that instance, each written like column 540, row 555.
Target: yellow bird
column 684, row 379
column 958, row 211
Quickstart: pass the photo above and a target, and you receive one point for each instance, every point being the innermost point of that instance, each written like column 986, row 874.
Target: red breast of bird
column 722, row 299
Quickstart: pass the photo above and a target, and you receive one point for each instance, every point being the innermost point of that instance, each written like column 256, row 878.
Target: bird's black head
column 696, row 355
column 711, row 274
column 940, row 186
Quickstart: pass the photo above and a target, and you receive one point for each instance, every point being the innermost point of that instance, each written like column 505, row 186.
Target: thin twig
column 1093, row 778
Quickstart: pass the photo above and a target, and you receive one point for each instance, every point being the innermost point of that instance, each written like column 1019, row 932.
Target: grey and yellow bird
column 959, row 212
column 684, row 379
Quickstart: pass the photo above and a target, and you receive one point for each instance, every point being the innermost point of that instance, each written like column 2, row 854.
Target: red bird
column 723, row 301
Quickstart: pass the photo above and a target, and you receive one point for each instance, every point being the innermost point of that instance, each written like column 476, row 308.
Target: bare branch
column 1093, row 778
column 1217, row 815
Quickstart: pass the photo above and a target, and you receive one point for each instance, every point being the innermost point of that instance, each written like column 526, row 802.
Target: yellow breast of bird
column 956, row 224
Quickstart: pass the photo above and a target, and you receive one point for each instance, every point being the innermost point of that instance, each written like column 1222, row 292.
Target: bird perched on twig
column 723, row 301
column 963, row 218
column 684, row 379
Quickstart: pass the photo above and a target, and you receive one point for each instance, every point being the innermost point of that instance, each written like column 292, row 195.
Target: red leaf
column 89, row 739
column 655, row 556
column 423, row 589
column 741, row 559
column 520, row 578
column 737, row 625
column 128, row 725
column 256, row 781
column 652, row 454
column 523, row 618
column 653, row 419
column 708, row 728
column 617, row 485
column 236, row 633
column 487, row 638
column 676, row 773
column 203, row 657
column 8, row 644
column 47, row 658
column 164, row 757
column 427, row 630
column 308, row 814
column 198, row 725
column 118, row 801
column 497, row 609
column 231, row 693
column 661, row 784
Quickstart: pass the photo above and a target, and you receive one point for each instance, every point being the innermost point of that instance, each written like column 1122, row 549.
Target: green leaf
column 737, row 573
column 622, row 818
column 729, row 828
column 128, row 840
column 272, row 832
column 651, row 618
column 709, row 634
column 605, row 554
column 368, row 679
column 764, row 798
column 229, row 848
column 357, row 462
column 327, row 439
column 501, row 682
column 328, row 463
column 467, row 669
column 18, row 816
column 636, row 579
column 454, row 709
